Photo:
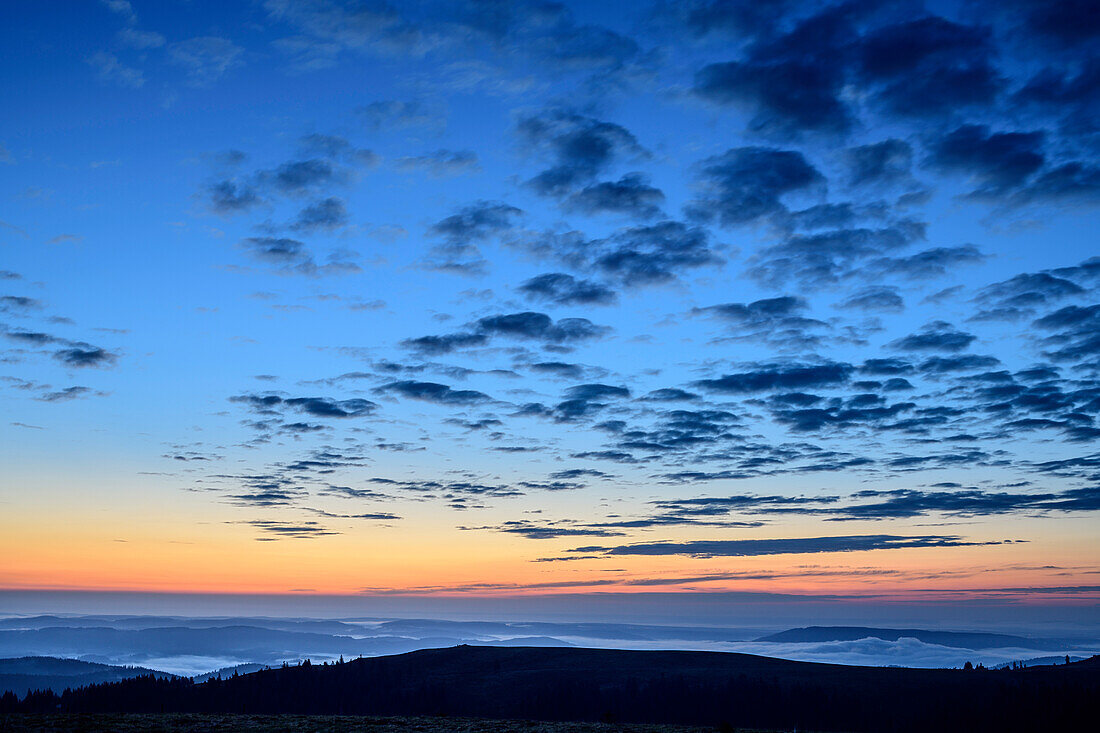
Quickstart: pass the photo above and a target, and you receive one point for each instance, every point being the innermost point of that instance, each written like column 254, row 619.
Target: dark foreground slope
column 700, row 688
column 45, row 673
column 238, row 722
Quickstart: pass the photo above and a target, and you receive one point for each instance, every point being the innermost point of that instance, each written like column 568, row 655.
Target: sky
column 650, row 305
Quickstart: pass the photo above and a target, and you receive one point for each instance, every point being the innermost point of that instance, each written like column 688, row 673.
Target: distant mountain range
column 574, row 684
column 958, row 639
column 197, row 646
column 246, row 643
column 1040, row 661
column 49, row 673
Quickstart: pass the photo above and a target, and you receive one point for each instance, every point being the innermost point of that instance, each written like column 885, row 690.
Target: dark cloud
column 617, row 456
column 1067, row 23
column 903, row 503
column 564, row 289
column 1069, row 95
column 446, row 343
column 535, row 531
column 596, row 392
column 881, row 163
column 266, row 497
column 744, row 185
column 559, row 369
column 652, row 254
column 927, row 264
column 1074, row 332
column 802, row 80
column 316, row 406
column 892, row 504
column 778, row 322
column 581, row 148
column 325, row 407
column 449, row 489
column 464, row 230
column 575, row 473
column 636, row 256
column 298, row 177
column 929, row 66
column 440, row 394
column 371, row 516
column 334, row 147
column 896, row 384
column 966, row 362
column 1022, row 295
column 585, row 400
column 66, row 394
column 326, row 214
column 935, row 336
column 829, row 216
column 765, row 312
column 539, row 326
column 611, row 528
column 791, row 83
column 878, row 299
column 721, row 505
column 33, row 338
column 750, row 459
column 677, row 431
column 527, row 325
column 291, row 256
column 631, row 195
column 868, row 410
column 997, row 161
column 441, row 163
column 739, row 20
column 1074, row 182
column 82, row 355
column 290, row 530
column 276, row 250
column 231, row 197
column 826, row 258
column 786, row 546
column 768, row 377
column 19, row 303
column 670, row 394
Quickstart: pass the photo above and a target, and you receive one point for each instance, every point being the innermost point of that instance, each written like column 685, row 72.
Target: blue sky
column 525, row 297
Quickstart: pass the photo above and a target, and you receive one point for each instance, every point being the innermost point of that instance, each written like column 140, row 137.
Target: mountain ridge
column 584, row 684
column 958, row 639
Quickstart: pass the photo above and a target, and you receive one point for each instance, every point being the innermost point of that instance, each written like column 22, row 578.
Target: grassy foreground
column 203, row 723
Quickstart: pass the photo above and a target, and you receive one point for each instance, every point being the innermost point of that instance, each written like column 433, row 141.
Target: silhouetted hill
column 958, row 639
column 702, row 688
column 50, row 673
column 1040, row 661
column 230, row 671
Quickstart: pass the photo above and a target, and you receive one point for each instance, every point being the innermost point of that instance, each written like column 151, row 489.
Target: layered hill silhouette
column 958, row 639
column 253, row 644
column 702, row 688
column 49, row 673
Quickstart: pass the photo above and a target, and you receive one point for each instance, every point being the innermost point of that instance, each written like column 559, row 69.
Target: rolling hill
column 577, row 684
column 50, row 673
column 958, row 639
